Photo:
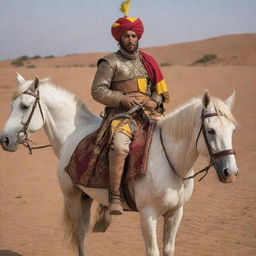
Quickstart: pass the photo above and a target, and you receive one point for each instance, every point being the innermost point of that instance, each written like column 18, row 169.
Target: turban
column 127, row 23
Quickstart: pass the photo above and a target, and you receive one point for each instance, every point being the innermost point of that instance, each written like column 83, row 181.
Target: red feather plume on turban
column 127, row 23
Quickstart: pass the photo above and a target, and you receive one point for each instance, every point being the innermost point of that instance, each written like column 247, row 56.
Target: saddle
column 88, row 165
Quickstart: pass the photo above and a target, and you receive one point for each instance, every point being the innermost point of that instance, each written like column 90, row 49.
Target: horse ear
column 35, row 83
column 230, row 100
column 20, row 79
column 206, row 98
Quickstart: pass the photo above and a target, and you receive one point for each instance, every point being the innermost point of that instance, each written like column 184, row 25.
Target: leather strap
column 126, row 86
column 209, row 115
column 25, row 141
column 213, row 156
column 224, row 153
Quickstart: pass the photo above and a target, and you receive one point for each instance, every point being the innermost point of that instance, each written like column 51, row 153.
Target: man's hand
column 150, row 105
column 128, row 102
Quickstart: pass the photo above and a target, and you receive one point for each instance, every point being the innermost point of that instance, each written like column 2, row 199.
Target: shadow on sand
column 8, row 253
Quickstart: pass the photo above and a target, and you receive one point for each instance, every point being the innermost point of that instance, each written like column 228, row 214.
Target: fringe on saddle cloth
column 88, row 165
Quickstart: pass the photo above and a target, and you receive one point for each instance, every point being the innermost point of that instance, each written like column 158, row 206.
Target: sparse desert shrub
column 92, row 65
column 165, row 64
column 19, row 61
column 31, row 66
column 78, row 65
column 206, row 58
column 49, row 57
column 36, row 57
column 23, row 58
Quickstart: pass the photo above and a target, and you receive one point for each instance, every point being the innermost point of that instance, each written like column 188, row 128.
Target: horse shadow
column 8, row 253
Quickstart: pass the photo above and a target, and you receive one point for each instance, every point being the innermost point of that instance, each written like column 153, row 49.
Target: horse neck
column 181, row 149
column 63, row 115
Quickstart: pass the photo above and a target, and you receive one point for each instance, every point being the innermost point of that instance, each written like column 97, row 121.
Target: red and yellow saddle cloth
column 88, row 165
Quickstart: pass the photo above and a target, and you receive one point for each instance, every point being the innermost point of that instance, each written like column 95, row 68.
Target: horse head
column 26, row 114
column 215, row 137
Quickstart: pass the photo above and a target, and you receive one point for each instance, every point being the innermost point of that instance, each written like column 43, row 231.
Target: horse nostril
column 6, row 141
column 226, row 172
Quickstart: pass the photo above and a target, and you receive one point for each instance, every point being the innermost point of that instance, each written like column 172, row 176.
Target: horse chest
column 171, row 200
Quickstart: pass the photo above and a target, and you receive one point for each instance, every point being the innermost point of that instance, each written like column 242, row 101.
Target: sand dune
column 230, row 50
column 219, row 220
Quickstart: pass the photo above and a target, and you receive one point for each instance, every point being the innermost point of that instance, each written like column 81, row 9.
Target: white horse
column 203, row 126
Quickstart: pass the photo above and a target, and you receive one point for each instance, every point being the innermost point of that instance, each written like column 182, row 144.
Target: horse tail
column 102, row 219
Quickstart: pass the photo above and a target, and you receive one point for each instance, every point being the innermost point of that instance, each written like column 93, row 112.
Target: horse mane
column 45, row 82
column 181, row 121
column 64, row 95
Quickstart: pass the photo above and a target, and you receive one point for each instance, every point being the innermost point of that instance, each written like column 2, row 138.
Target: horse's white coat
column 161, row 192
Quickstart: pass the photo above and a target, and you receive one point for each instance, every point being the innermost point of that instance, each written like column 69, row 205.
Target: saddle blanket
column 88, row 165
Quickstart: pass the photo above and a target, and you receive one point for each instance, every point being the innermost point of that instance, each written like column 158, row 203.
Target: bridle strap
column 213, row 156
column 24, row 141
column 166, row 155
column 174, row 169
column 224, row 153
column 37, row 101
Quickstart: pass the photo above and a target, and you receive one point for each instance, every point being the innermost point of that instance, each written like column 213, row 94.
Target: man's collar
column 128, row 55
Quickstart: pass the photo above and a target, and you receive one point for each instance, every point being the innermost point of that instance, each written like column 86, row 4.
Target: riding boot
column 119, row 150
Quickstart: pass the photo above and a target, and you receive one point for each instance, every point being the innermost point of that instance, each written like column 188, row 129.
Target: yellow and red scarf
column 155, row 75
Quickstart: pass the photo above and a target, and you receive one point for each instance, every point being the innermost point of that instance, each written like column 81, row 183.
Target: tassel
column 124, row 8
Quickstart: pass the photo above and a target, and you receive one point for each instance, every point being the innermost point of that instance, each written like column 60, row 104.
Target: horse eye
column 211, row 131
column 23, row 106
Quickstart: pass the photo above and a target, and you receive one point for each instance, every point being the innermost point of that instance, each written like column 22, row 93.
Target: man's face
column 129, row 41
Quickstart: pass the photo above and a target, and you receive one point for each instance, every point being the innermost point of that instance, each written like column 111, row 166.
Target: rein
column 22, row 134
column 213, row 156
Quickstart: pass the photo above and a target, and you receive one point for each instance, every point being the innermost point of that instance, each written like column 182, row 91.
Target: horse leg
column 148, row 220
column 171, row 224
column 77, row 208
column 102, row 219
column 77, row 213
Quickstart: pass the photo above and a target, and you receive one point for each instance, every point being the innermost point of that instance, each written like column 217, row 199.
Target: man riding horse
column 127, row 80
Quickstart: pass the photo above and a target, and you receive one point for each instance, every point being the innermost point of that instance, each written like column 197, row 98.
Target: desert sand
column 219, row 220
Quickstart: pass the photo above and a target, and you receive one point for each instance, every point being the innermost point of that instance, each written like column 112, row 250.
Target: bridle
column 213, row 156
column 22, row 134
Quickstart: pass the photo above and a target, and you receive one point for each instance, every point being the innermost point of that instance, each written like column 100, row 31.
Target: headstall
column 213, row 156
column 22, row 134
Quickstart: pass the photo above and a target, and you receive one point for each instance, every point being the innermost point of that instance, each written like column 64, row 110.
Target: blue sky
column 60, row 27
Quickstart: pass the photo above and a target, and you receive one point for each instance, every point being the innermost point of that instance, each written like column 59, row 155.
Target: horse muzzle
column 226, row 171
column 8, row 143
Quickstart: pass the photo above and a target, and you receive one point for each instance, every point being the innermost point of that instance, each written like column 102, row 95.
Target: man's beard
column 127, row 50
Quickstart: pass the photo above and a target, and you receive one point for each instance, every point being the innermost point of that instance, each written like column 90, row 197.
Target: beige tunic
column 115, row 67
